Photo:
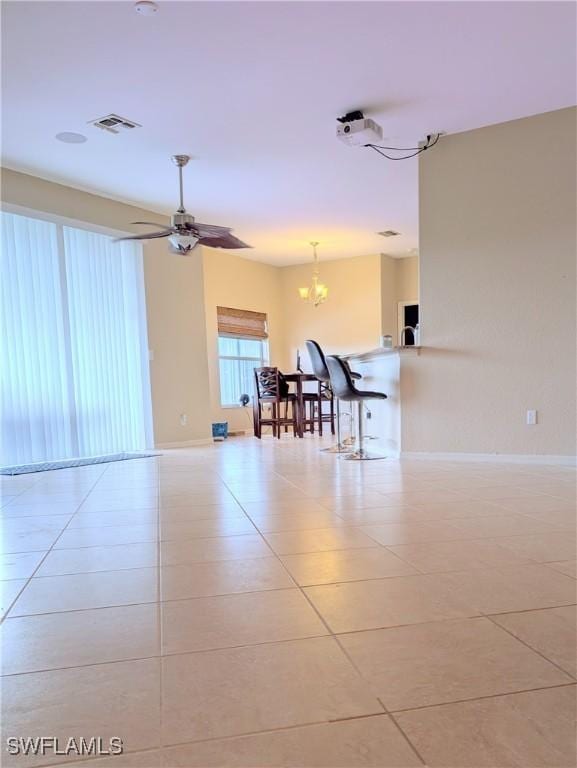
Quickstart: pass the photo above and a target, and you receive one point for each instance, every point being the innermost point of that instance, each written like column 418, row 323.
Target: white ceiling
column 252, row 89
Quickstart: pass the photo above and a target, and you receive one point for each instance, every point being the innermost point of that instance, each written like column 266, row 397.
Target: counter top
column 381, row 352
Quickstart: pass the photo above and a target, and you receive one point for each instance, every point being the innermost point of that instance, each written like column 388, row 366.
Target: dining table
column 299, row 378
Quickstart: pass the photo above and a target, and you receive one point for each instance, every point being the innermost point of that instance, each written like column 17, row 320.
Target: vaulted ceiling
column 252, row 89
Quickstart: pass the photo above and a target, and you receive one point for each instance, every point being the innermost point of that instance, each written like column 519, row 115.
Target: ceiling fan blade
column 148, row 236
column 224, row 241
column 210, row 230
column 149, row 223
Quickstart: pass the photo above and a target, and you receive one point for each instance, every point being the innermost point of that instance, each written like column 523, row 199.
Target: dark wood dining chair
column 271, row 389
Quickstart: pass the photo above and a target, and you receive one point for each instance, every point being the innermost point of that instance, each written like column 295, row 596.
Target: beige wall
column 174, row 299
column 399, row 282
column 350, row 320
column 231, row 281
column 388, row 296
column 497, row 261
column 407, row 278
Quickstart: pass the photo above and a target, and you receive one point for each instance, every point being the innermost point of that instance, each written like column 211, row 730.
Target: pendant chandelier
column 316, row 293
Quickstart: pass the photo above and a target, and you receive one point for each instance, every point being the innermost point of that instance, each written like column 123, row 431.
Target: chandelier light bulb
column 317, row 292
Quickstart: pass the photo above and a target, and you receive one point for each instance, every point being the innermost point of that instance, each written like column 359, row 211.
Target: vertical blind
column 73, row 349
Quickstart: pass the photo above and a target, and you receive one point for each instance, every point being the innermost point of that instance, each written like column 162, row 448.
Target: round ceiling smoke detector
column 68, row 137
column 146, row 7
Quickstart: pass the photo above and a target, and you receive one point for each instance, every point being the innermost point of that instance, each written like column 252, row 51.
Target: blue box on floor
column 220, row 430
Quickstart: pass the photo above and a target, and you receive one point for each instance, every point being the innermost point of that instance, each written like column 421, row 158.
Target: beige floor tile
column 359, row 500
column 120, row 505
column 106, row 700
column 551, row 631
column 268, row 494
column 226, row 621
column 182, row 499
column 430, row 496
column 445, row 661
column 503, row 590
column 528, row 505
column 197, row 529
column 30, row 525
column 451, row 510
column 105, row 519
column 367, row 742
column 151, row 758
column 360, row 605
column 12, row 542
column 568, row 567
column 500, row 492
column 345, row 565
column 560, row 519
column 438, row 557
column 19, row 565
column 523, row 730
column 394, row 514
column 200, row 497
column 8, row 593
column 40, row 507
column 78, row 638
column 293, row 521
column 281, row 507
column 244, row 690
column 318, row 540
column 52, row 594
column 508, row 524
column 391, row 534
column 179, row 582
column 213, row 549
column 107, row 536
column 60, row 562
column 542, row 547
column 186, row 514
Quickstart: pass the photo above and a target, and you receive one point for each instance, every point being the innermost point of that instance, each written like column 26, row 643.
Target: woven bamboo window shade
column 241, row 323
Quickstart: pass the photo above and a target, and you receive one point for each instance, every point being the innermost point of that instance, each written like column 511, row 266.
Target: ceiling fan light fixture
column 183, row 243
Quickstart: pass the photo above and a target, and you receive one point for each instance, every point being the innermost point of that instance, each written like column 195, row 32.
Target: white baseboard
column 494, row 458
column 185, row 443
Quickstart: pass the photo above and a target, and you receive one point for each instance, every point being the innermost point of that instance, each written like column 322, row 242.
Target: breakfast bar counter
column 381, row 370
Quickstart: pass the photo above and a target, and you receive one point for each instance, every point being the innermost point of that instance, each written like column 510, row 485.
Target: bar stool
column 344, row 388
column 321, row 371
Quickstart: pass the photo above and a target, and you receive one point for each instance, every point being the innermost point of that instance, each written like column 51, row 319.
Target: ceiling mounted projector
column 356, row 130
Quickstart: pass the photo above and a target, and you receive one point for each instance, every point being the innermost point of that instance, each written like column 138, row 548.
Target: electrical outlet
column 183, row 419
column 531, row 418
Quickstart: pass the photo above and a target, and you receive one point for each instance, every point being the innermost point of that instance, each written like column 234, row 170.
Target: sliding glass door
column 73, row 348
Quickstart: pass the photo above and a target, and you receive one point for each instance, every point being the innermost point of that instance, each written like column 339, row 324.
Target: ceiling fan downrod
column 180, row 161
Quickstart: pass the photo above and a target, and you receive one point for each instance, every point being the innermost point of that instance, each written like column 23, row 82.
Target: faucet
column 403, row 334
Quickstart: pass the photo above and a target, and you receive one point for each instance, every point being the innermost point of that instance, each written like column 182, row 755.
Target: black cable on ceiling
column 414, row 150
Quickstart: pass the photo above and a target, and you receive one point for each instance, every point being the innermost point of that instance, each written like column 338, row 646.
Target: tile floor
column 258, row 604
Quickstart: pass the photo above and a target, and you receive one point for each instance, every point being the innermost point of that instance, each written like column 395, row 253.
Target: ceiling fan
column 185, row 233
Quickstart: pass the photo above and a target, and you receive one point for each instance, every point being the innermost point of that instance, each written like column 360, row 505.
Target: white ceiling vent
column 388, row 233
column 114, row 123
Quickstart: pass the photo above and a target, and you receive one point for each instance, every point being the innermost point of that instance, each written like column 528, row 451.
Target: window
column 242, row 347
column 74, row 351
column 237, row 359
